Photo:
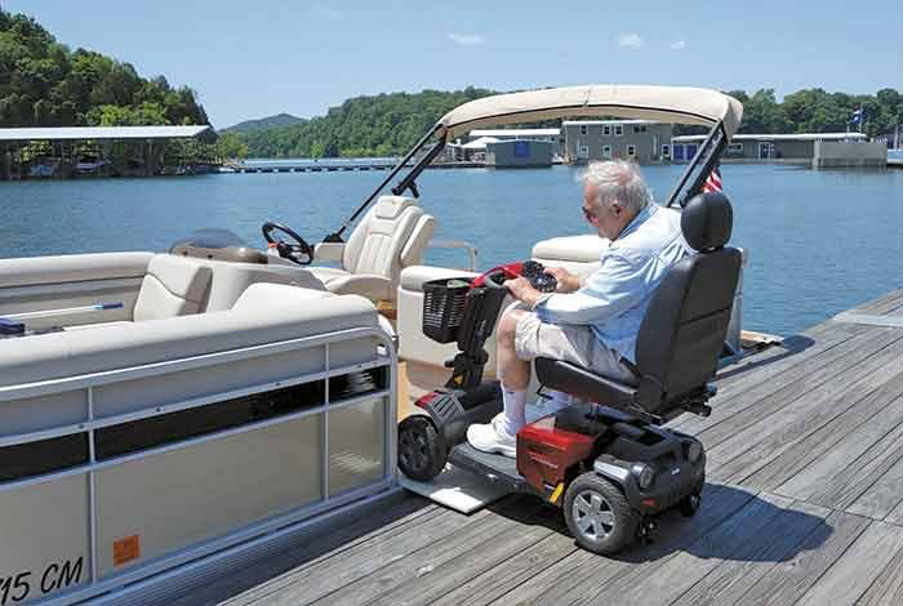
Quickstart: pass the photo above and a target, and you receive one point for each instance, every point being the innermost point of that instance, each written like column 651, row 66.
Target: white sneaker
column 492, row 438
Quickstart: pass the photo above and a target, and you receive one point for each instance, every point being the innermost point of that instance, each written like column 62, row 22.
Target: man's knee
column 508, row 325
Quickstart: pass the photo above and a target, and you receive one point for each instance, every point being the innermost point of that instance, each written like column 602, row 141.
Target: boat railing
column 472, row 251
column 111, row 484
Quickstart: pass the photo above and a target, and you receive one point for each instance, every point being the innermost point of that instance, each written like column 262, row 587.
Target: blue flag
column 857, row 117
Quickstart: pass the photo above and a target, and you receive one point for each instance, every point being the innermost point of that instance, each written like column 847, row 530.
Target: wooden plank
column 324, row 541
column 737, row 538
column 435, row 581
column 752, row 447
column 770, row 391
column 807, row 449
column 853, row 573
column 407, row 572
column 848, row 485
column 886, row 321
column 886, row 589
column 582, row 575
column 813, row 400
column 778, row 358
column 797, row 349
column 889, row 300
column 896, row 515
column 808, row 483
column 728, row 583
column 787, row 581
column 545, row 560
column 799, row 379
column 880, row 499
column 315, row 580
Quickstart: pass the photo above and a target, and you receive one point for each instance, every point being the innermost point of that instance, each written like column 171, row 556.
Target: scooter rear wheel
column 422, row 452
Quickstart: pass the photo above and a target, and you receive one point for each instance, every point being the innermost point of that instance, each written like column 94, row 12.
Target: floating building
column 820, row 150
column 642, row 141
column 97, row 150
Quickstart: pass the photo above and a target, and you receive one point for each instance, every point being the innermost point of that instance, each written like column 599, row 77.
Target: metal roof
column 609, row 122
column 793, row 137
column 516, row 132
column 68, row 133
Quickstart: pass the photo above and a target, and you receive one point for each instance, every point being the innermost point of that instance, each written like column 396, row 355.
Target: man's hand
column 522, row 290
column 566, row 281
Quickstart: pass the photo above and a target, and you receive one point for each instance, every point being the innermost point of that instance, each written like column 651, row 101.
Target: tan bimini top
column 670, row 104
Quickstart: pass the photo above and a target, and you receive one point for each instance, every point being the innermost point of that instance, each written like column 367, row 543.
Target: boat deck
column 803, row 505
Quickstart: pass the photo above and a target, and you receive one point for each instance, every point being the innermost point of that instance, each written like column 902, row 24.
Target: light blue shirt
column 614, row 299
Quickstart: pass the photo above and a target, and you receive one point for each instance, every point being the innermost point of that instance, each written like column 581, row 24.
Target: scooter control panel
column 537, row 276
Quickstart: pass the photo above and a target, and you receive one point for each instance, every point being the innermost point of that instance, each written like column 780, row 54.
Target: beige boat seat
column 391, row 236
column 173, row 286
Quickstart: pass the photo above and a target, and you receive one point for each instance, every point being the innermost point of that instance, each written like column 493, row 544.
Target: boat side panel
column 356, row 445
column 147, row 392
column 176, row 498
column 34, row 414
column 44, row 543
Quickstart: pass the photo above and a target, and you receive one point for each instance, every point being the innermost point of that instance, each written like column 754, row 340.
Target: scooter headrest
column 706, row 221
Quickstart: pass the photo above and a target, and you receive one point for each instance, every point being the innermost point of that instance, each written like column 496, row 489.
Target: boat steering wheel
column 300, row 252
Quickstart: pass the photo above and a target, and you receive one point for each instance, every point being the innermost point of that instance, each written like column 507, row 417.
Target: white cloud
column 466, row 39
column 631, row 40
column 678, row 45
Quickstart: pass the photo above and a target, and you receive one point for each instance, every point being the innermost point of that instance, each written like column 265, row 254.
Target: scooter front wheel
column 598, row 515
column 422, row 451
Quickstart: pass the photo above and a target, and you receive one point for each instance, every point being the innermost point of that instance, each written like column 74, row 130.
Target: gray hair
column 618, row 180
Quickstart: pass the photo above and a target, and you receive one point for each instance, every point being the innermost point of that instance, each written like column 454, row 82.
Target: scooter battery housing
column 546, row 452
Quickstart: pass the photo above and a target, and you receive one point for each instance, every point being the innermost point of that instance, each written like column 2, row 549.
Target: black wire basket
column 444, row 307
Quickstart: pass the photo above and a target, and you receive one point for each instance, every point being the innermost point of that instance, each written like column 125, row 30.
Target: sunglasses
column 588, row 215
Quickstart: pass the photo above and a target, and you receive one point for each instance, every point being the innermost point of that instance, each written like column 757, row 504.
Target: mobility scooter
column 607, row 462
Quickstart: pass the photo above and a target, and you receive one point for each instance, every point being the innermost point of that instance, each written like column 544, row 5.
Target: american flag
column 713, row 183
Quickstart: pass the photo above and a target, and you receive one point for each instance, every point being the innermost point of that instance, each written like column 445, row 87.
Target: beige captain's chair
column 391, row 236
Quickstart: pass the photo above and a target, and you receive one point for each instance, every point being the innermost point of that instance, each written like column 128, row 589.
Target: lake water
column 819, row 242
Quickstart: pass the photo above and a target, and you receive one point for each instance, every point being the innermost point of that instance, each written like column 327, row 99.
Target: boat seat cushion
column 393, row 233
column 173, row 286
column 341, row 282
column 263, row 314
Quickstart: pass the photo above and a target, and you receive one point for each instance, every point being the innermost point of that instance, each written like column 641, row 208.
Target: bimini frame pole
column 408, row 181
column 717, row 135
column 337, row 235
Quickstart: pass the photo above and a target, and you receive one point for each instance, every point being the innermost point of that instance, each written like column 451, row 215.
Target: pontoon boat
column 165, row 416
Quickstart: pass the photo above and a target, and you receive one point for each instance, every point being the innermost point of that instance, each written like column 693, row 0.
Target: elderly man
column 592, row 322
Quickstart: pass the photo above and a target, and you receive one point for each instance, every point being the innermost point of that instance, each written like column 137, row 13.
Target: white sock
column 513, row 410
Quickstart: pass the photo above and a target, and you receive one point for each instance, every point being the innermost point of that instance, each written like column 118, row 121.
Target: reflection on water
column 819, row 242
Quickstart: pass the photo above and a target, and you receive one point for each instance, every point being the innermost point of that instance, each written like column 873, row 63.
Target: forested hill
column 44, row 83
column 381, row 125
column 278, row 121
column 389, row 124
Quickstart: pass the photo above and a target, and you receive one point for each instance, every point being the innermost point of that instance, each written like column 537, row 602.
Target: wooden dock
column 803, row 505
column 310, row 166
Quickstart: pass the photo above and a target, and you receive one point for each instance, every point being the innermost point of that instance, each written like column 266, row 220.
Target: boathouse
column 640, row 140
column 519, row 153
column 820, row 150
column 552, row 135
column 98, row 150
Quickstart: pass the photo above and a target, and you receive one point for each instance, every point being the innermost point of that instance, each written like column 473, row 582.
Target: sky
column 261, row 57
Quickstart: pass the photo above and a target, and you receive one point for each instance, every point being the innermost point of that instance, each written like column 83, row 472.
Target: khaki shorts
column 575, row 344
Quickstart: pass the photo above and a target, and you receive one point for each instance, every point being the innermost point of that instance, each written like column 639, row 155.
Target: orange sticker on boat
column 126, row 549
